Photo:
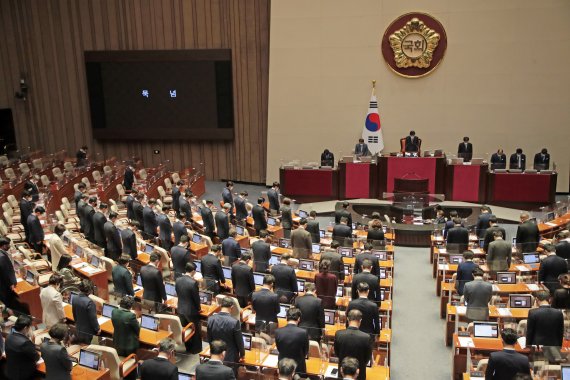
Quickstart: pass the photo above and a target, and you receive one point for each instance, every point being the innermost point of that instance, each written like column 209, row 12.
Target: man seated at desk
column 499, row 160
column 412, row 143
column 361, row 149
column 542, row 160
column 327, row 158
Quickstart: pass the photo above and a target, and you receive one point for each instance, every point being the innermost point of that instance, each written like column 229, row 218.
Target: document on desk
column 442, row 250
column 461, row 310
column 91, row 270
column 495, row 288
column 443, row 267
column 504, row 312
column 102, row 320
column 271, row 361
column 523, row 268
column 533, row 287
column 465, row 341
column 79, row 265
column 551, row 224
column 522, row 342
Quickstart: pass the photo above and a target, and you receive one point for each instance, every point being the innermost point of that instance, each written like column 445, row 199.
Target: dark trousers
column 243, row 301
column 166, row 244
column 194, row 344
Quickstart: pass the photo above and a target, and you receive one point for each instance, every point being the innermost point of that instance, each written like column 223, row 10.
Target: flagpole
column 374, row 87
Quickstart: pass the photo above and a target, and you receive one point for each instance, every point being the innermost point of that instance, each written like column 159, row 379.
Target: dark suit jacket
column 326, row 289
column 123, row 280
column 273, row 198
column 138, row 210
column 242, row 279
column 85, row 317
column 21, row 357
column 188, row 297
column 359, row 259
column 176, row 198
column 56, row 358
column 35, row 229
column 180, row 257
column 563, row 249
column 464, row 275
column 224, row 327
column 26, row 209
column 77, row 196
column 477, row 295
column 158, row 369
column 354, row 343
column 327, row 159
column 343, row 234
column 286, row 217
column 312, row 315
column 113, row 239
column 7, row 276
column 561, row 299
column 545, row 327
column 80, row 212
column 361, row 150
column 150, row 221
column 483, row 224
column 152, row 283
column 208, row 220
column 266, row 306
column 89, row 228
column 528, row 236
column 165, row 227
column 499, row 255
column 227, row 196
column 465, row 151
column 179, row 230
column 185, row 207
column 370, row 323
column 514, row 162
column 261, row 255
column 129, row 179
column 412, row 146
column 241, row 210
column 338, row 214
column 314, row 229
column 498, row 161
column 550, row 268
column 506, row 364
column 222, row 225
column 293, row 343
column 214, row 370
column 337, row 263
column 212, row 268
column 540, row 162
column 126, row 331
column 457, row 239
column 285, row 280
column 99, row 221
column 129, row 204
column 231, row 249
column 489, row 237
column 373, row 283
column 259, row 221
column 129, row 242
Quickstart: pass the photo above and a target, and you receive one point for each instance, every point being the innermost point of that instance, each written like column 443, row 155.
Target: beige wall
column 504, row 80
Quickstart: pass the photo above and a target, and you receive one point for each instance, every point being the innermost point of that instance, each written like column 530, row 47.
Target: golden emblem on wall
column 414, row 44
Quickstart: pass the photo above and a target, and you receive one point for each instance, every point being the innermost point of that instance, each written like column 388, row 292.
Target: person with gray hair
column 286, row 368
column 223, row 222
column 161, row 367
column 214, row 369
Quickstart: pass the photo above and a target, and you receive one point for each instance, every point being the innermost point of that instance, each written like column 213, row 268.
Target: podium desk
column 550, row 229
column 357, row 180
column 466, row 183
column 521, row 190
column 309, row 185
column 30, row 295
column 392, row 167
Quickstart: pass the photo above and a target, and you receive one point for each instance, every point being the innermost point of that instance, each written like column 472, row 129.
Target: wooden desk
column 550, row 229
column 521, row 190
column 205, row 310
column 98, row 278
column 200, row 250
column 30, row 295
column 309, row 185
column 82, row 373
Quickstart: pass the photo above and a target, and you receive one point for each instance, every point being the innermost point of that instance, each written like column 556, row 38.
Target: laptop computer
column 329, row 316
column 30, row 277
column 258, row 278
column 383, row 292
column 284, row 243
column 315, row 248
column 340, row 291
column 149, row 322
column 520, row 301
column 95, row 261
column 170, row 288
column 283, row 308
column 382, row 272
column 455, row 259
column 303, row 214
column 247, row 338
column 227, row 272
column 196, row 238
column 148, row 248
column 240, row 230
column 485, row 330
column 184, row 376
column 274, row 259
column 507, row 277
column 108, row 310
column 89, row 359
column 205, row 297
column 198, row 266
column 79, row 251
column 346, row 251
column 271, row 221
column 531, row 258
column 381, row 255
column 305, row 264
column 550, row 216
column 481, row 243
column 139, row 280
column 514, row 242
column 565, row 369
column 301, row 285
column 347, row 269
column 321, row 233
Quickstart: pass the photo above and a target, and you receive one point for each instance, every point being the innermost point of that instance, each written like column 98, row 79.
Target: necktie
column 519, row 160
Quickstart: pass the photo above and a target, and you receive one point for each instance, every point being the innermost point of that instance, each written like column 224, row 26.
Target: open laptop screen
column 149, row 322
column 95, row 261
column 258, row 278
column 108, row 310
column 271, row 221
column 198, row 266
column 506, row 277
column 301, row 285
column 485, row 330
column 315, row 248
column 566, row 372
column 303, row 214
column 170, row 288
column 329, row 317
column 340, row 291
column 283, row 308
column 184, row 376
column 455, row 259
column 274, row 259
column 531, row 258
column 381, row 255
column 196, row 238
column 346, row 252
column 89, row 359
column 205, row 297
column 148, row 248
column 227, row 272
column 240, row 230
column 284, row 243
column 308, row 265
column 520, row 301
column 247, row 340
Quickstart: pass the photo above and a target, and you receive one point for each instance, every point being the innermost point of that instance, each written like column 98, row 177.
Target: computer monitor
column 258, row 278
column 455, row 259
column 72, row 296
column 347, row 269
column 170, row 288
column 139, row 280
column 321, row 233
column 79, row 251
column 198, row 266
column 108, row 310
column 184, row 376
column 227, row 272
column 271, row 221
column 485, row 330
column 565, row 372
column 354, row 226
column 481, row 243
column 383, row 292
column 283, row 308
column 381, row 255
column 340, row 291
column 95, row 261
column 506, row 277
column 520, row 301
column 197, row 238
column 30, row 277
column 305, row 264
column 303, row 214
column 65, row 239
column 550, row 216
column 514, row 242
column 284, row 243
column 531, row 258
column 274, row 259
column 149, row 322
column 346, row 251
column 382, row 272
column 244, row 250
column 301, row 285
column 205, row 297
column 247, row 338
column 316, row 248
column 240, row 230
column 329, row 316
column 148, row 248
column 89, row 359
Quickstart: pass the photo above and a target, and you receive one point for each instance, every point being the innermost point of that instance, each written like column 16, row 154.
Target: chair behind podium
column 403, row 145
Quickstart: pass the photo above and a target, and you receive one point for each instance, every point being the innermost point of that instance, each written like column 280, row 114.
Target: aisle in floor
column 418, row 349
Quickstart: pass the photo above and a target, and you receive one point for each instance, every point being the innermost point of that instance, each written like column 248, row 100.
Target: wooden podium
column 411, row 185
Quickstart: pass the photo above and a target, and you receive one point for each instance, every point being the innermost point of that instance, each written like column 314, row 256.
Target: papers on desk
column 90, row 269
column 19, row 279
column 465, row 341
column 251, row 319
column 102, row 320
column 331, row 372
column 551, row 224
column 443, row 250
column 270, row 361
column 533, row 287
column 272, row 247
column 476, row 378
column 522, row 342
column 461, row 309
column 522, row 268
column 443, row 267
column 79, row 265
column 66, row 304
column 495, row 288
column 504, row 312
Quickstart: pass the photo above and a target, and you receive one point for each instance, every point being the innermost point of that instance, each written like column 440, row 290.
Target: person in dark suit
column 21, row 354
column 152, row 283
column 457, row 238
column 313, row 227
column 180, row 255
column 375, row 235
column 265, row 304
column 57, row 361
column 292, row 341
column 286, row 217
column 465, row 149
column 161, row 367
column 483, row 221
column 326, row 284
column 189, row 306
column 439, row 217
column 78, row 195
column 561, row 297
column 26, row 209
column 370, row 315
column 113, row 237
column 354, row 343
column 227, row 195
column 366, row 254
column 176, row 191
column 349, row 368
column 129, row 204
column 369, row 278
column 336, row 260
column 327, row 158
column 477, row 295
column 138, row 209
column 85, row 314
column 122, row 277
column 129, row 239
column 223, row 222
column 527, row 234
column 99, row 221
column 551, row 267
column 301, row 241
column 231, row 248
column 214, row 369
column 465, row 272
column 412, row 143
column 8, row 279
column 261, row 252
column 499, row 160
column 507, row 363
column 126, row 328
column 499, row 254
column 208, row 218
column 545, row 327
column 240, row 204
column 184, row 205
column 222, row 326
column 273, row 198
column 149, row 219
column 81, row 157
column 563, row 245
column 450, row 224
column 129, row 177
column 258, row 215
column 80, row 212
column 490, row 232
column 212, row 269
column 242, row 279
column 342, row 233
column 179, row 228
column 312, row 313
column 36, row 230
column 165, row 228
column 542, row 160
column 517, row 160
column 361, row 149
column 88, row 213
column 285, row 279
column 343, row 212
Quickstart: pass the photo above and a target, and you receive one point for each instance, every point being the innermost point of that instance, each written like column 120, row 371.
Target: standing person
column 149, row 218
column 138, row 209
column 227, row 196
column 78, row 195
column 375, row 234
column 180, row 256
column 187, row 289
column 212, row 270
column 31, row 186
column 528, row 235
column 354, row 343
column 457, row 237
column 326, row 284
column 312, row 313
column 483, row 221
column 292, row 341
column 165, row 228
column 242, row 279
column 222, row 326
column 343, row 213
column 313, row 227
column 349, row 368
column 184, row 203
column 286, row 218
column 465, row 272
column 343, row 233
column 122, row 277
column 265, row 304
column 129, row 204
column 81, row 157
column 26, row 209
column 551, row 268
column 477, row 295
column 208, row 218
column 517, row 160
column 465, row 150
column 21, row 354
column 367, row 255
column 499, row 160
column 370, row 323
column 285, row 279
column 231, row 248
column 161, row 367
column 241, row 209
column 563, row 244
column 336, row 261
column 361, row 149
column 223, row 222
column 129, row 177
column 126, row 328
column 258, row 214
column 85, row 314
column 152, row 282
column 129, row 239
column 113, row 237
column 261, row 252
column 490, row 232
column 545, row 327
column 52, row 302
column 88, row 213
column 499, row 254
column 56, row 246
column 301, row 241
column 179, row 228
column 412, row 143
column 176, row 191
column 36, row 230
column 371, row 279
column 99, row 220
column 273, row 198
column 57, row 361
column 542, row 160
column 507, row 363
column 214, row 369
column 561, row 297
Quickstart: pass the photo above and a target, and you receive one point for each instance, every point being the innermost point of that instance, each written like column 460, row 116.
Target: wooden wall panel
column 46, row 40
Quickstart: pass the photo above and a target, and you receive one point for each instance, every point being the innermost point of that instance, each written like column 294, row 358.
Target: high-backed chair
column 58, row 175
column 24, row 169
column 143, row 174
column 44, row 179
column 97, row 176
column 403, row 145
column 38, row 164
column 168, row 185
column 107, row 170
column 118, row 367
column 10, row 174
column 175, row 177
column 121, row 192
column 165, row 198
column 68, row 167
column 70, row 209
column 14, row 236
column 4, row 161
column 180, row 334
column 14, row 203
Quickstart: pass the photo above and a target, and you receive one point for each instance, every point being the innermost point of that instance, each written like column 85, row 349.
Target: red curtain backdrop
column 522, row 187
column 308, row 182
column 408, row 167
column 357, row 180
column 466, row 183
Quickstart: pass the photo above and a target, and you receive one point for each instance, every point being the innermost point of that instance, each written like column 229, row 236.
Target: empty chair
column 58, row 175
column 168, row 185
column 175, row 177
column 9, row 173
column 4, row 161
column 121, row 192
column 65, row 201
column 13, row 202
column 86, row 181
column 107, row 170
column 180, row 333
column 68, row 167
column 37, row 163
column 482, row 365
column 97, row 176
column 24, row 168
column 109, row 264
column 165, row 198
column 45, row 181
column 143, row 174
column 14, row 236
column 12, row 220
column 118, row 367
column 61, row 219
